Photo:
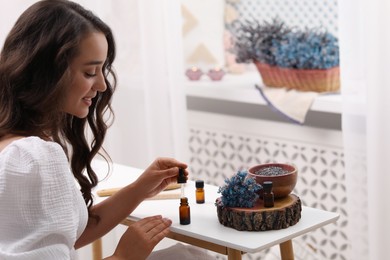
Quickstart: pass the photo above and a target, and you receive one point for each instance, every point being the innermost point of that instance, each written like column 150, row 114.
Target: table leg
column 234, row 254
column 97, row 252
column 286, row 250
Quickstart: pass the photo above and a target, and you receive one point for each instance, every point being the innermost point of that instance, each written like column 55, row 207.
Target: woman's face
column 86, row 75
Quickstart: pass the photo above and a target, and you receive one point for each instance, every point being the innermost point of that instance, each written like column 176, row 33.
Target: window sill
column 240, row 88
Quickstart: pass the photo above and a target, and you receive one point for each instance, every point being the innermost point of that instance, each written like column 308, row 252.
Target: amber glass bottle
column 199, row 192
column 268, row 195
column 184, row 211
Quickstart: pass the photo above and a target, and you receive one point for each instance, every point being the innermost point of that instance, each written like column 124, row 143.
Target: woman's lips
column 88, row 101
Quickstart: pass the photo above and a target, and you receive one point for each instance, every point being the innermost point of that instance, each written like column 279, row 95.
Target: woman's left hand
column 161, row 173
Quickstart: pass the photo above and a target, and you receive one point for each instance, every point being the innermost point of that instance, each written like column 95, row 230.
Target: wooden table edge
column 286, row 248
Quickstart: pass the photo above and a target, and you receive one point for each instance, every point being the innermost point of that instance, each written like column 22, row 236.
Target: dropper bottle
column 184, row 209
column 181, row 178
column 199, row 192
column 184, row 212
column 268, row 195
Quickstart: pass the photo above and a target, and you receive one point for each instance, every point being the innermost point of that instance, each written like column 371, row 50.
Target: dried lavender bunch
column 240, row 191
column 276, row 44
column 255, row 40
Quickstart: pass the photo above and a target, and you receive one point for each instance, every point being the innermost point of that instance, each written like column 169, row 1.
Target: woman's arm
column 113, row 210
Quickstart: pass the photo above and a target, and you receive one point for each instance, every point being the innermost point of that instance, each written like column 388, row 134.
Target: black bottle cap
column 181, row 178
column 199, row 184
column 267, row 185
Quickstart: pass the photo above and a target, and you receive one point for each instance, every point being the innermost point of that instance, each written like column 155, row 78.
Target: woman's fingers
column 141, row 237
column 154, row 181
column 171, row 173
column 153, row 223
column 148, row 223
column 165, row 163
column 153, row 227
column 161, row 173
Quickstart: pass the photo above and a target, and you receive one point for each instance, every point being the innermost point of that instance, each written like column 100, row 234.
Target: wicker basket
column 318, row 80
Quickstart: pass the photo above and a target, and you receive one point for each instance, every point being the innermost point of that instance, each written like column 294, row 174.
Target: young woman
column 56, row 83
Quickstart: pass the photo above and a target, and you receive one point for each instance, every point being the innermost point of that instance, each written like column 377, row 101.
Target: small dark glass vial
column 184, row 211
column 199, row 192
column 268, row 195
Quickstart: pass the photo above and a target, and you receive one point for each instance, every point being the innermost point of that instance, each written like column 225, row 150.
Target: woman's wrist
column 134, row 192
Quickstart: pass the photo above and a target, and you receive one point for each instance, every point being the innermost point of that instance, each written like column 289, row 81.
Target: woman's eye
column 90, row 75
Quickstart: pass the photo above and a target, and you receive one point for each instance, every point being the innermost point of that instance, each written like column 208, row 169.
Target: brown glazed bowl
column 283, row 176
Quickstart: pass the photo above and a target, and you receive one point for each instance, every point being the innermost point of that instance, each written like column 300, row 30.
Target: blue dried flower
column 306, row 50
column 276, row 44
column 239, row 191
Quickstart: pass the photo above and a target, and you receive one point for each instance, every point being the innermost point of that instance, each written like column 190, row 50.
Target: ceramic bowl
column 283, row 176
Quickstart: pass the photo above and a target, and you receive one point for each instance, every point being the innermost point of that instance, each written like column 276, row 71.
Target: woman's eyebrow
column 94, row 62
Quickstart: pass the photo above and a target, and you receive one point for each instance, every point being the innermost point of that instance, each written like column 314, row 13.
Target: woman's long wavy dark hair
column 33, row 65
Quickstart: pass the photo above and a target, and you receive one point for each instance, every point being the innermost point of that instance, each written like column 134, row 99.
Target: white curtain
column 365, row 78
column 162, row 58
column 150, row 104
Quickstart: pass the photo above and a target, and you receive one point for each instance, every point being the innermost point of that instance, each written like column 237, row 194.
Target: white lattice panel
column 299, row 13
column 221, row 145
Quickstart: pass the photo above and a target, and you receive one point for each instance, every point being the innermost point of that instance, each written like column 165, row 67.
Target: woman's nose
column 100, row 84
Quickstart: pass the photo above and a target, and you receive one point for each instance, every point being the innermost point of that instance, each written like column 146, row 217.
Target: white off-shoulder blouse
column 42, row 211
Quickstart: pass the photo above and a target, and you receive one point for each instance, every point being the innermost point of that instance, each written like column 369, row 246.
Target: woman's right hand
column 162, row 172
column 141, row 237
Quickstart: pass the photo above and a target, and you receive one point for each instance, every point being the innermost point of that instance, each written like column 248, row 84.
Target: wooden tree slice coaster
column 285, row 213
